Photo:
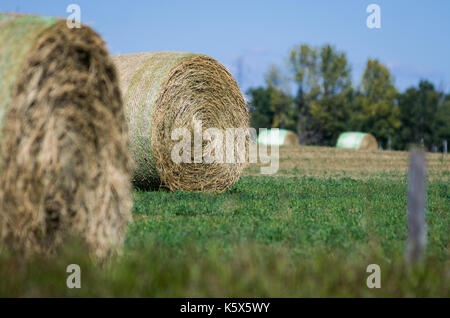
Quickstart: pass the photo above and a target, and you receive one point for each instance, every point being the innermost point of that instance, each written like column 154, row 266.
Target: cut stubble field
column 327, row 162
column 311, row 230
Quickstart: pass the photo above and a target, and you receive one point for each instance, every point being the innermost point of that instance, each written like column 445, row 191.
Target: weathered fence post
column 445, row 146
column 417, row 232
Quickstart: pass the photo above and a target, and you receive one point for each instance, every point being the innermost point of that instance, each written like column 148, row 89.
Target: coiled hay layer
column 65, row 169
column 168, row 90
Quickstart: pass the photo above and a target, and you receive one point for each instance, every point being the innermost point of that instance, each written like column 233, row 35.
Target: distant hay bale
column 357, row 140
column 168, row 90
column 281, row 138
column 65, row 169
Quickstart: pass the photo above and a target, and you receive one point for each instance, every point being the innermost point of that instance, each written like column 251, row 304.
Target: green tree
column 377, row 110
column 332, row 108
column 334, row 72
column 423, row 120
column 281, row 104
column 324, row 92
column 443, row 122
column 303, row 62
column 272, row 106
column 259, row 108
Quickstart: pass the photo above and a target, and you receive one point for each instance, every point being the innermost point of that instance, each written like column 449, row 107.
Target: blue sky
column 414, row 39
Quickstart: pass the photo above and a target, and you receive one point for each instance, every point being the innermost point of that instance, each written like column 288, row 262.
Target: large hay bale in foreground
column 281, row 138
column 168, row 90
column 65, row 168
column 357, row 140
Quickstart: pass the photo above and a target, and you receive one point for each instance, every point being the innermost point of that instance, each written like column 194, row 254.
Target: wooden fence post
column 417, row 232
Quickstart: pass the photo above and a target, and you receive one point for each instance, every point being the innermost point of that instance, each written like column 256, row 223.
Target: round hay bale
column 357, row 140
column 281, row 138
column 64, row 164
column 164, row 91
column 291, row 139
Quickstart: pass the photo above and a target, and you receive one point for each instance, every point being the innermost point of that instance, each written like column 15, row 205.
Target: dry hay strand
column 168, row 90
column 291, row 139
column 368, row 143
column 65, row 169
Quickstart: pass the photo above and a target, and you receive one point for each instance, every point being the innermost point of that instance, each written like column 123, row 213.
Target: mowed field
column 310, row 230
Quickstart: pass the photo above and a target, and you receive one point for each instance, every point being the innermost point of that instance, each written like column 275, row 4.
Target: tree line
column 326, row 103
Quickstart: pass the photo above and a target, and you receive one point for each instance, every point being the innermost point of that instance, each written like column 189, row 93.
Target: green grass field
column 284, row 236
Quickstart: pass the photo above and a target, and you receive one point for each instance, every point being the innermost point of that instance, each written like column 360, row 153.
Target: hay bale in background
column 357, row 140
column 65, row 168
column 282, row 138
column 168, row 90
column 291, row 139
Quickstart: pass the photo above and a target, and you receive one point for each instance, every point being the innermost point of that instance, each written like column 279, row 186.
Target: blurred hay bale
column 65, row 168
column 357, row 140
column 280, row 137
column 168, row 90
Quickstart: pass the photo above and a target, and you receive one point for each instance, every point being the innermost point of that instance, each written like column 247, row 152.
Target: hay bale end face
column 64, row 163
column 282, row 138
column 357, row 140
column 164, row 91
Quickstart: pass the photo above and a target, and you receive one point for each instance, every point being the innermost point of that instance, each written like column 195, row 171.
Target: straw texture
column 168, row 90
column 64, row 164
